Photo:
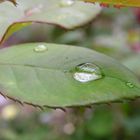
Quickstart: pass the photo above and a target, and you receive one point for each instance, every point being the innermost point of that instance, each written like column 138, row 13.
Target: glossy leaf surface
column 133, row 63
column 43, row 74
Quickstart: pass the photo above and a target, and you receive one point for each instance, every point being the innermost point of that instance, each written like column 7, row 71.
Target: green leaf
column 50, row 74
column 133, row 63
column 55, row 12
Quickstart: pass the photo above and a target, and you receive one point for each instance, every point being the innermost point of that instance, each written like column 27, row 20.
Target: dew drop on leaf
column 64, row 3
column 129, row 84
column 40, row 48
column 87, row 72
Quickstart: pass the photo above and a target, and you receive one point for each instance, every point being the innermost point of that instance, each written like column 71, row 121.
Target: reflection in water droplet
column 129, row 84
column 87, row 72
column 40, row 48
column 64, row 3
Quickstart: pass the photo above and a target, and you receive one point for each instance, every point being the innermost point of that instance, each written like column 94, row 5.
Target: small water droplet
column 129, row 84
column 40, row 48
column 87, row 72
column 64, row 3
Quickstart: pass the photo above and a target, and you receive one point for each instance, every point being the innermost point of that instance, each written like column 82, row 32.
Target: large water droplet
column 40, row 48
column 87, row 72
column 64, row 3
column 129, row 84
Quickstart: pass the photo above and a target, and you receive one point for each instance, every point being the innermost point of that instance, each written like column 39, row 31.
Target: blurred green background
column 114, row 32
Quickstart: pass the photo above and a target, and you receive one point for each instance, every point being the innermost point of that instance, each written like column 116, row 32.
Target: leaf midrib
column 34, row 66
column 28, row 65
